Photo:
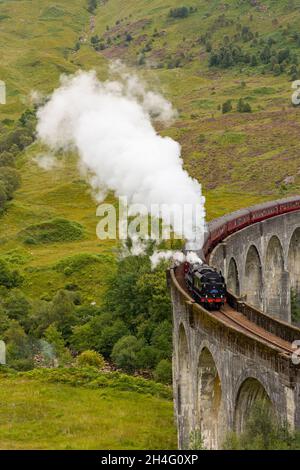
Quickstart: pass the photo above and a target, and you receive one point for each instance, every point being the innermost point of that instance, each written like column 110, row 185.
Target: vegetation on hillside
column 132, row 327
column 84, row 409
column 263, row 432
column 227, row 68
column 14, row 138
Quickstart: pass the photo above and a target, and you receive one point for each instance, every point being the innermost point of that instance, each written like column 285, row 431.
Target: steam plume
column 110, row 125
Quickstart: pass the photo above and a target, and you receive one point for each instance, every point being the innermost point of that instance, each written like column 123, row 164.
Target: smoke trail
column 177, row 257
column 110, row 125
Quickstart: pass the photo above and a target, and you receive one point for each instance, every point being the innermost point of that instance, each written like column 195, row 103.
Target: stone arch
column 209, row 397
column 253, row 277
column 274, row 268
column 250, row 392
column 233, row 281
column 294, row 261
column 184, row 387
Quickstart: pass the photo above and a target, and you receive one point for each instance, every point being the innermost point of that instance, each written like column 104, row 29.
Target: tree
column 161, row 339
column 3, row 194
column 265, row 55
column 226, row 107
column 124, row 353
column 163, row 372
column 243, row 106
column 8, row 277
column 92, row 6
column 95, row 39
column 17, row 306
column 11, row 179
column 7, row 159
column 62, row 312
column 19, row 347
column 254, row 61
column 55, row 338
column 283, row 55
column 263, row 432
column 146, row 358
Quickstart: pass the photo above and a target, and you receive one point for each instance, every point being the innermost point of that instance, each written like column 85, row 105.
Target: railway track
column 231, row 316
column 238, row 321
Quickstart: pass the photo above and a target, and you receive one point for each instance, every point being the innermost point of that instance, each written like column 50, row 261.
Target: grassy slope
column 37, row 415
column 240, row 159
column 39, row 38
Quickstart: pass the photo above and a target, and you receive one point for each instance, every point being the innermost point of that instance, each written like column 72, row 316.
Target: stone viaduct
column 223, row 362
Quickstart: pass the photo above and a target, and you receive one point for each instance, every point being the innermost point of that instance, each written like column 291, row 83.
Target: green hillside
column 38, row 414
column 227, row 67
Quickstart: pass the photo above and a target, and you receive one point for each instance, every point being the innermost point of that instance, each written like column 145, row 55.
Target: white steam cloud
column 110, row 125
column 177, row 257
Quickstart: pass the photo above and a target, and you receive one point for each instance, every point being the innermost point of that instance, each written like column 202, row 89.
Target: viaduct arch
column 224, row 362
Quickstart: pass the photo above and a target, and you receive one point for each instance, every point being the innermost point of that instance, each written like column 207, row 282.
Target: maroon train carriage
column 208, row 286
column 221, row 228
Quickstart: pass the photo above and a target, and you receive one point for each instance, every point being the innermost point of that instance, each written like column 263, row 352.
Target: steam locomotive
column 206, row 285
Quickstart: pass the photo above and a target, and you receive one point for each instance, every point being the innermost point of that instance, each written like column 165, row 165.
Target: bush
column 92, row 6
column 22, row 364
column 91, row 358
column 20, row 348
column 124, row 353
column 243, row 107
column 55, row 339
column 3, row 194
column 74, row 264
column 91, row 378
column 11, row 180
column 263, row 432
column 8, row 277
column 163, row 372
column 7, row 159
column 226, row 107
column 55, row 230
column 181, row 12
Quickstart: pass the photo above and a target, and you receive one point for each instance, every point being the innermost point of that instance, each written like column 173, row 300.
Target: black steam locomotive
column 207, row 286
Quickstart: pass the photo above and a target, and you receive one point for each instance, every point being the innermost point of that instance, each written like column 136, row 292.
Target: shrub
column 263, row 432
column 19, row 347
column 8, row 277
column 76, row 263
column 17, row 306
column 254, row 61
column 124, row 353
column 55, row 230
column 3, row 194
column 91, row 358
column 163, row 372
column 90, row 377
column 243, row 106
column 181, row 12
column 11, row 180
column 92, row 6
column 7, row 159
column 226, row 107
column 22, row 364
